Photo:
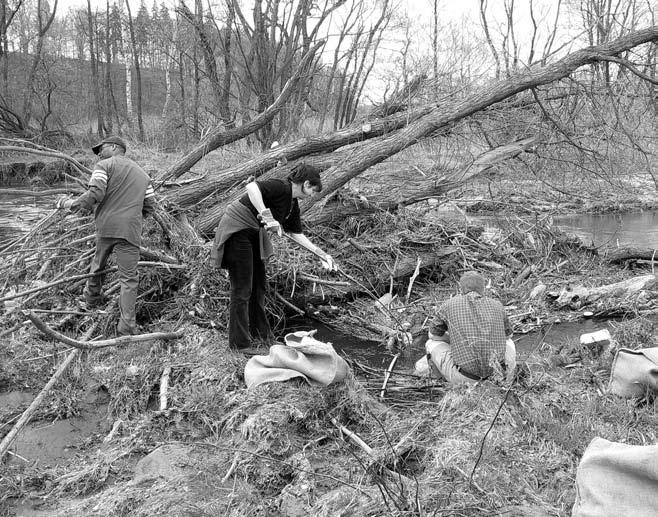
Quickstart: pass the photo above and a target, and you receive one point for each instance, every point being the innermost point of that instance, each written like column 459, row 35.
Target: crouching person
column 469, row 333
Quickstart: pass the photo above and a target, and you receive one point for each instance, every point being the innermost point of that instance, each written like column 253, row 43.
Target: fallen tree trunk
column 413, row 190
column 191, row 194
column 630, row 253
column 221, row 136
column 440, row 118
column 94, row 345
column 636, row 291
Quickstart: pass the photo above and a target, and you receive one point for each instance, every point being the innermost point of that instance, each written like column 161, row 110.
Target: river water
column 18, row 214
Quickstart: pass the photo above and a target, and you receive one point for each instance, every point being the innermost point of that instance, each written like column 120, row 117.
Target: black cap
column 110, row 140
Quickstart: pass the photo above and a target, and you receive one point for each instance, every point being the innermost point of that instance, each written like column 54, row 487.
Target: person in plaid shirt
column 469, row 333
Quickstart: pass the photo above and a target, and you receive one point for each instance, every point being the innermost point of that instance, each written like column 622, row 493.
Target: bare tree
column 44, row 21
column 220, row 90
column 487, row 34
column 7, row 14
column 360, row 61
column 94, row 72
column 138, row 72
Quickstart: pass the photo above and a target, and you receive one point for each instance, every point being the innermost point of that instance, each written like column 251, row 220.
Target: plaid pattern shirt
column 478, row 328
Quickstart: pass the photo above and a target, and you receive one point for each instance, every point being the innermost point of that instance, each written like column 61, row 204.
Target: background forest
column 169, row 73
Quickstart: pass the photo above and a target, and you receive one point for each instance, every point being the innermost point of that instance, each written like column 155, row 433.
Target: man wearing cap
column 470, row 333
column 122, row 194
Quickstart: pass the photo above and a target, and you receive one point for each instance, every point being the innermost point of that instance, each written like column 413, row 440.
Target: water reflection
column 639, row 229
column 19, row 213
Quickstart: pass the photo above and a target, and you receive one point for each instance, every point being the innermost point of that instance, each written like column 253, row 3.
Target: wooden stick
column 11, row 330
column 290, row 305
column 413, row 279
column 387, row 375
column 371, row 452
column 231, row 469
column 164, row 386
column 318, row 280
column 37, row 193
column 56, row 283
column 27, row 414
column 89, row 345
column 354, row 437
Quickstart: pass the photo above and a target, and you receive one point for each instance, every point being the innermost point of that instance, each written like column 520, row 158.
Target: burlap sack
column 634, row 372
column 303, row 356
column 617, row 480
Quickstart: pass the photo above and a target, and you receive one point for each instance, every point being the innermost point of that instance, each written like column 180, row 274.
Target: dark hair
column 303, row 172
column 472, row 281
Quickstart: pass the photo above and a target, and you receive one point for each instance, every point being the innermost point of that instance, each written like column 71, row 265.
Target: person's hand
column 65, row 203
column 267, row 220
column 328, row 263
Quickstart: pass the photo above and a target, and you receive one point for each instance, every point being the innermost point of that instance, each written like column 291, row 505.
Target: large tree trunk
column 443, row 117
column 327, row 143
column 416, row 125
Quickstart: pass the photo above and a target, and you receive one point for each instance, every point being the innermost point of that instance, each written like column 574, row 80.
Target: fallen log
column 618, row 255
column 444, row 116
column 407, row 265
column 645, row 286
column 416, row 187
column 94, row 345
column 190, row 195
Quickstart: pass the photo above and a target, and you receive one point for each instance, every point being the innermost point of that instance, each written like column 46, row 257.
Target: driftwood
column 640, row 289
column 407, row 265
column 416, row 188
column 631, row 253
column 93, row 345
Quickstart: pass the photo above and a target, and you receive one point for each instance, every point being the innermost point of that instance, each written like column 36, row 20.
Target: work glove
column 66, row 203
column 267, row 220
column 328, row 263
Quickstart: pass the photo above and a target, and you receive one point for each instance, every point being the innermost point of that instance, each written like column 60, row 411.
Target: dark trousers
column 127, row 256
column 246, row 273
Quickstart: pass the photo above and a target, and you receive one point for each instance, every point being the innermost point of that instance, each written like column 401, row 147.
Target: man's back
column 119, row 212
column 478, row 328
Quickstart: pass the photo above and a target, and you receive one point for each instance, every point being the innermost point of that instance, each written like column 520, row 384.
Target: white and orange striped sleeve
column 97, row 186
column 149, row 201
